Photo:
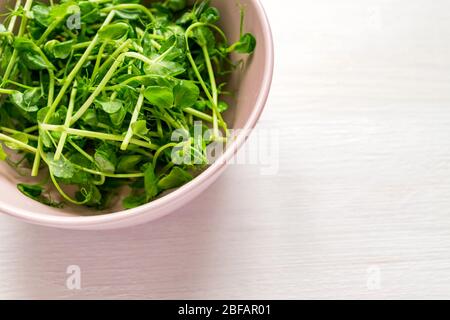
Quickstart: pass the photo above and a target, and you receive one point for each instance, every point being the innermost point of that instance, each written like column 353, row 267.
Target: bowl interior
column 246, row 83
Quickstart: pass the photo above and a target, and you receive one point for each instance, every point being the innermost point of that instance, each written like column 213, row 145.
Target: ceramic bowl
column 252, row 85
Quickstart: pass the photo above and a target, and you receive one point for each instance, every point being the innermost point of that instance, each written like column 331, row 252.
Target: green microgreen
column 93, row 106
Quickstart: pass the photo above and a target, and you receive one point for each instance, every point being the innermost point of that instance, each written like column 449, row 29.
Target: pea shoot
column 92, row 91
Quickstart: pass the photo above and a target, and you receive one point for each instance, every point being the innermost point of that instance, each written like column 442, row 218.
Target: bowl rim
column 89, row 221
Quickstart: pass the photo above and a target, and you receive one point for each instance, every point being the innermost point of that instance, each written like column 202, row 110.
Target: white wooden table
column 360, row 206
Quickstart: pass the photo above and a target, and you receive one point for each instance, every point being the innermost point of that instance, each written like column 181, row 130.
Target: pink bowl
column 252, row 86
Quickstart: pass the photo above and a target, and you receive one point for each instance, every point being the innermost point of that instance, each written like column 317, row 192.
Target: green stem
column 110, row 175
column 56, row 184
column 21, row 85
column 12, row 131
column 12, row 22
column 9, row 67
column 50, row 66
column 7, row 91
column 80, row 150
column 106, row 79
column 98, row 60
column 51, row 93
column 81, row 45
column 18, row 143
column 64, row 195
column 134, row 118
column 160, row 150
column 31, row 129
column 51, row 89
column 97, row 135
column 130, row 80
column 112, row 58
column 198, row 114
column 77, row 68
column 166, row 168
column 49, row 30
column 130, row 6
column 159, row 128
column 24, row 22
column 212, row 97
column 97, row 90
column 166, row 118
column 63, row 137
column 197, row 72
column 155, row 44
column 22, row 28
column 215, row 94
column 242, row 16
column 90, row 158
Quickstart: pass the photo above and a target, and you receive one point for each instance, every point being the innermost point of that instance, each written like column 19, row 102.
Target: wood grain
column 361, row 105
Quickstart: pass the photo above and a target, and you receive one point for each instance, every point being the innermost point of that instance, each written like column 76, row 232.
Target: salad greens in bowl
column 107, row 105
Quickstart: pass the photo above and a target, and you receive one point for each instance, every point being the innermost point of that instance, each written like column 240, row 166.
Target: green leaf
column 176, row 178
column 186, row 18
column 42, row 113
column 150, row 182
column 61, row 168
column 90, row 117
column 200, row 105
column 32, row 191
column 210, row 15
column 186, row 93
column 28, row 100
column 173, row 49
column 41, row 14
column 176, row 5
column 89, row 12
column 80, row 177
column 134, row 201
column 246, row 44
column 34, row 61
column 59, row 50
column 22, row 137
column 60, row 11
column 35, row 192
column 222, row 106
column 174, row 30
column 90, row 194
column 199, row 8
column 204, row 37
column 129, row 163
column 114, row 31
column 128, row 14
column 105, row 158
column 140, row 128
column 164, row 68
column 30, row 54
column 118, row 117
column 159, row 96
column 109, row 106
